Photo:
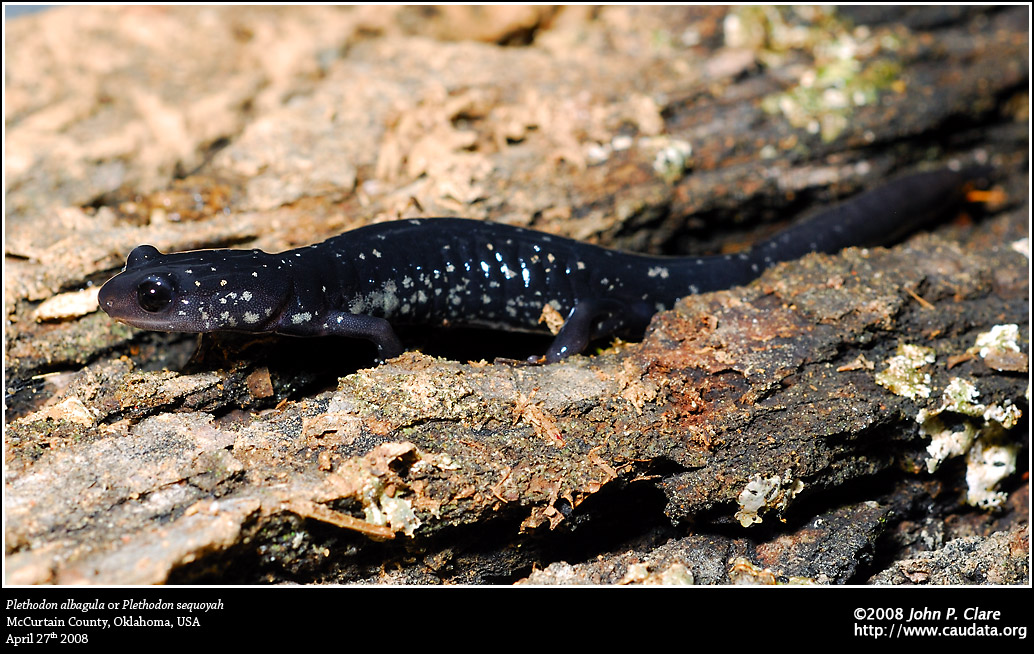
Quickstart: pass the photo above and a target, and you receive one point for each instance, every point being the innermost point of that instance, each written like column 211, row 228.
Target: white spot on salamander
column 658, row 271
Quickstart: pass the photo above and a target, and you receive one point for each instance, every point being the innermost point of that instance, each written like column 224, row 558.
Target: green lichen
column 903, row 374
column 960, row 396
column 381, row 507
column 847, row 70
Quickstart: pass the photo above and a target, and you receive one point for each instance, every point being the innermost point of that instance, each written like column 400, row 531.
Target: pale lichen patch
column 1000, row 349
column 991, row 459
column 980, row 434
column 1022, row 246
column 764, row 494
column 1000, row 338
column 743, row 572
column 672, row 158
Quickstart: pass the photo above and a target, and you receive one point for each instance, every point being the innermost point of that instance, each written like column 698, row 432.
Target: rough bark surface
column 839, row 420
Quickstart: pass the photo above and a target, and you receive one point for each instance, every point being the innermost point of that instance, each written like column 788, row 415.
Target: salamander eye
column 155, row 293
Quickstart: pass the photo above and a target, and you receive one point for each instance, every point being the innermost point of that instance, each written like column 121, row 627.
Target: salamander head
column 202, row 291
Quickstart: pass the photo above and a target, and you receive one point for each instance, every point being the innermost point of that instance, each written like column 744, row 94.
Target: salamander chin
column 469, row 272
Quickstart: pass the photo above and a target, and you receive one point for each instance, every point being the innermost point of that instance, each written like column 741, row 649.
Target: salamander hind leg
column 592, row 318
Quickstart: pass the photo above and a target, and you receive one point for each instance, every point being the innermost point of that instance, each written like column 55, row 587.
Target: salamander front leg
column 377, row 330
column 351, row 325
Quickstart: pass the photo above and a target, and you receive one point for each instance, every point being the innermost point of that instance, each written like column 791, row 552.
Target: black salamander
column 467, row 272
